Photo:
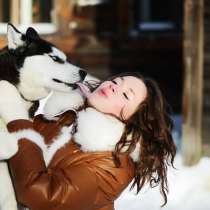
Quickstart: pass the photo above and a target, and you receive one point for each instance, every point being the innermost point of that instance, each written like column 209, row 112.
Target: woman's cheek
column 119, row 105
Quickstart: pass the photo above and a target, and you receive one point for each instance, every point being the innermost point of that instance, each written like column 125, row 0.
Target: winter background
column 189, row 187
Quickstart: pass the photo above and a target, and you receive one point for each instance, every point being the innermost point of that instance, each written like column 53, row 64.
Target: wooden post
column 193, row 81
column 15, row 11
column 1, row 11
column 206, row 86
column 26, row 12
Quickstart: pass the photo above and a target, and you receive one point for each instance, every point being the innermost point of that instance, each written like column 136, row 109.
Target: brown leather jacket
column 73, row 180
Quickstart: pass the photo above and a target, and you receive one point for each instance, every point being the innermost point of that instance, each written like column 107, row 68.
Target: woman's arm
column 40, row 187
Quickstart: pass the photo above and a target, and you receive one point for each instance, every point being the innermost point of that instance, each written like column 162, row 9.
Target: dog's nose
column 82, row 74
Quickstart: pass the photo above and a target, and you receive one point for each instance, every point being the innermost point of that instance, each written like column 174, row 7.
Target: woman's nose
column 113, row 87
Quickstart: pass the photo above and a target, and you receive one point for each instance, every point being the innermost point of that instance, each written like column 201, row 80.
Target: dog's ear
column 14, row 37
column 31, row 34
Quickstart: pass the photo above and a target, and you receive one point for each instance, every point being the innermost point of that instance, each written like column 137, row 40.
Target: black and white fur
column 35, row 67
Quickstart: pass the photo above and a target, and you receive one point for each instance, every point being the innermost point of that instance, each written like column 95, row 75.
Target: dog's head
column 42, row 67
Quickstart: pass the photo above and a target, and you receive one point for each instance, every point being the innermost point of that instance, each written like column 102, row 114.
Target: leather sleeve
column 39, row 187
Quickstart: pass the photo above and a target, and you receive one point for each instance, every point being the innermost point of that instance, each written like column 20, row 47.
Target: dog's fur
column 35, row 67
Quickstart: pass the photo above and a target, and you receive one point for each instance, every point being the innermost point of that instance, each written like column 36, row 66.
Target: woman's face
column 119, row 96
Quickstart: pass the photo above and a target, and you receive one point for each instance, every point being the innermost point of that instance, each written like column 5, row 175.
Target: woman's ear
column 84, row 89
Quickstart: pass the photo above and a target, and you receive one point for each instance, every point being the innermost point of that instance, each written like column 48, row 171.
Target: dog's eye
column 57, row 59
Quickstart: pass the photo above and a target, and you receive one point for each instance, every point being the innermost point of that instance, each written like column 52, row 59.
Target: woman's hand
column 12, row 106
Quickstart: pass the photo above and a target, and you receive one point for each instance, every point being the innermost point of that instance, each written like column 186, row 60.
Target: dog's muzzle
column 82, row 74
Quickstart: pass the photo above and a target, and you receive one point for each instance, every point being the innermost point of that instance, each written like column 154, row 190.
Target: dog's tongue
column 84, row 89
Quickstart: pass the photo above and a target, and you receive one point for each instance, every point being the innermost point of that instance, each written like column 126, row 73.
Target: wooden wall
column 206, row 86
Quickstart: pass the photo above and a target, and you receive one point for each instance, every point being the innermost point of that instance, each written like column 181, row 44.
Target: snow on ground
column 189, row 190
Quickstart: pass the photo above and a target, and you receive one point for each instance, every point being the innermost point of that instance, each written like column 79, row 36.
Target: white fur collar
column 100, row 132
column 97, row 131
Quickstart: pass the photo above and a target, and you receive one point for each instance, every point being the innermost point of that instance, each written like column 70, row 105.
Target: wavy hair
column 151, row 127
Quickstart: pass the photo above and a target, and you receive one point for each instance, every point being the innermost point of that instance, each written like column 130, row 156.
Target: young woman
column 86, row 158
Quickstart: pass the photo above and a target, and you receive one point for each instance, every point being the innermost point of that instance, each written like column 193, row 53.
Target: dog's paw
column 8, row 145
column 8, row 91
column 12, row 105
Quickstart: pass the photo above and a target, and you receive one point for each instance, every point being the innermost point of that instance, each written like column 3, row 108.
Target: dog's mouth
column 72, row 85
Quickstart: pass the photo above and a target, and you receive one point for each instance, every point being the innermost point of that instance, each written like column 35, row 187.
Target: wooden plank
column 206, row 86
column 193, row 81
column 15, row 11
column 1, row 10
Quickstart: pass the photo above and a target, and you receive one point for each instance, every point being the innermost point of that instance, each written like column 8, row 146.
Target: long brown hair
column 151, row 127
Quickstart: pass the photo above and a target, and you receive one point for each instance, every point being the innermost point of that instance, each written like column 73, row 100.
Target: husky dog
column 35, row 67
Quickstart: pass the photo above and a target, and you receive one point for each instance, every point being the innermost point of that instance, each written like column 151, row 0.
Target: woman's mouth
column 103, row 92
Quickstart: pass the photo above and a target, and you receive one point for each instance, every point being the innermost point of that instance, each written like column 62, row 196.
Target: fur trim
column 9, row 142
column 100, row 132
column 58, row 142
column 32, row 136
column 97, row 131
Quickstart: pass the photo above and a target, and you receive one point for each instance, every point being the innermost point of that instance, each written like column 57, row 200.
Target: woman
column 122, row 134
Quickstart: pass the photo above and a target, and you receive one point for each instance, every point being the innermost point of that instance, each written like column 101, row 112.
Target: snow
column 189, row 189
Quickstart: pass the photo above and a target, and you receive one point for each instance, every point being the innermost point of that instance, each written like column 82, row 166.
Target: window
column 90, row 2
column 24, row 13
column 153, row 15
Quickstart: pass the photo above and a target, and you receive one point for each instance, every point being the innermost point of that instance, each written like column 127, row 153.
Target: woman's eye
column 114, row 82
column 125, row 95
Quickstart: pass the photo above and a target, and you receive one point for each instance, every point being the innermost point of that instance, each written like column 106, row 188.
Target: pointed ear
column 14, row 37
column 84, row 89
column 31, row 33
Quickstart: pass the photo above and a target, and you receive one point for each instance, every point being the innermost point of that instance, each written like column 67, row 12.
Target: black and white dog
column 35, row 67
